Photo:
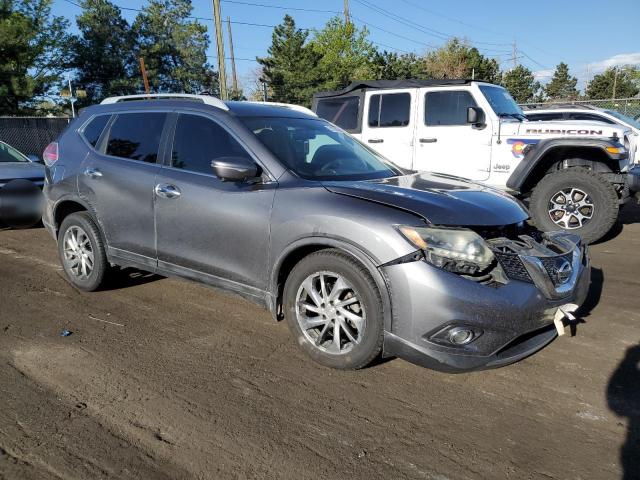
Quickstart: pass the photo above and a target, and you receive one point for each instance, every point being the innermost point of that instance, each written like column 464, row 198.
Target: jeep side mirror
column 475, row 116
column 234, row 169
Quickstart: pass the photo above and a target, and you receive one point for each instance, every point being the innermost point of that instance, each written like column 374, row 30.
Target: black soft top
column 388, row 84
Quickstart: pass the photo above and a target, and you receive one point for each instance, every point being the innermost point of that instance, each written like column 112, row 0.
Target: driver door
column 207, row 227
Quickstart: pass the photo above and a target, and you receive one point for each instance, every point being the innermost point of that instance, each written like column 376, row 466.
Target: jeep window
column 501, row 102
column 10, row 154
column 136, row 136
column 318, row 150
column 390, row 110
column 544, row 117
column 447, row 108
column 92, row 130
column 634, row 123
column 198, row 141
column 590, row 117
column 342, row 111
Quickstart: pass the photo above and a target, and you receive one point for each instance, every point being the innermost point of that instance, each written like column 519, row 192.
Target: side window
column 390, row 110
column 136, row 136
column 94, row 128
column 447, row 108
column 341, row 111
column 198, row 141
column 540, row 117
column 591, row 117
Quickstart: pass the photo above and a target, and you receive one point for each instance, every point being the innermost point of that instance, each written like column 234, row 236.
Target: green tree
column 522, row 85
column 34, row 48
column 103, row 52
column 602, row 85
column 482, row 68
column 173, row 47
column 291, row 68
column 562, row 86
column 456, row 59
column 346, row 54
column 392, row 66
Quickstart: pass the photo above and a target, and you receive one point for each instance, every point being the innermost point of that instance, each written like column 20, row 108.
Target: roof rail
column 206, row 99
column 290, row 106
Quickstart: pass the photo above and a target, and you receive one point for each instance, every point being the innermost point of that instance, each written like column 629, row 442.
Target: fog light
column 460, row 336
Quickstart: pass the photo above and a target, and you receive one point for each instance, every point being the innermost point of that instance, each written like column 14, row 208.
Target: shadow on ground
column 623, row 397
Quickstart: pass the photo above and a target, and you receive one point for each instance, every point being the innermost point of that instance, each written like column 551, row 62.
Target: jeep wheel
column 82, row 251
column 334, row 310
column 576, row 200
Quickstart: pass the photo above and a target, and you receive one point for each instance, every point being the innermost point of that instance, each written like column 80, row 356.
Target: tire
column 319, row 341
column 600, row 204
column 89, row 241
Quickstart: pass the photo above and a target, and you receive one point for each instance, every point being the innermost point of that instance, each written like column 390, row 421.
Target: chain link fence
column 626, row 106
column 31, row 135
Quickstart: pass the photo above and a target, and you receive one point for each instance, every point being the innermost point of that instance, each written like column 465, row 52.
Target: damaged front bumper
column 508, row 317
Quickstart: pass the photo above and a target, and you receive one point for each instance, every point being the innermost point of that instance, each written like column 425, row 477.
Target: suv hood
column 439, row 199
column 13, row 170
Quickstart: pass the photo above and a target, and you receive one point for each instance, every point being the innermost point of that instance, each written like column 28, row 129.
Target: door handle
column 167, row 191
column 93, row 172
column 375, row 140
column 428, row 140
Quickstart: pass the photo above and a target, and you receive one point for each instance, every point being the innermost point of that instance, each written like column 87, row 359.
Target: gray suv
column 360, row 257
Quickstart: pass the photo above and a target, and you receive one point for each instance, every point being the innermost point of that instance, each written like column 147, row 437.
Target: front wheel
column 576, row 200
column 334, row 310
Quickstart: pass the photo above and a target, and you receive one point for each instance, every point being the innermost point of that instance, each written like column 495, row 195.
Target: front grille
column 550, row 263
column 513, row 266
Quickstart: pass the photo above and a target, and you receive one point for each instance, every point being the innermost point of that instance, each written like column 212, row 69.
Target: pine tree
column 562, row 86
column 521, row 84
column 291, row 68
column 601, row 86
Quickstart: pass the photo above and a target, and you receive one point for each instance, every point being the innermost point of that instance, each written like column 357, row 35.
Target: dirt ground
column 163, row 378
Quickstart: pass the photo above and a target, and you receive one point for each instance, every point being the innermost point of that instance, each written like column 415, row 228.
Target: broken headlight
column 455, row 250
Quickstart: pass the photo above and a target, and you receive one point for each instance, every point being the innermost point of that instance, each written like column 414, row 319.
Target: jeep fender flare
column 540, row 157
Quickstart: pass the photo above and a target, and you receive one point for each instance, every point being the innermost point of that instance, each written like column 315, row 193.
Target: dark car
column 360, row 257
column 21, row 181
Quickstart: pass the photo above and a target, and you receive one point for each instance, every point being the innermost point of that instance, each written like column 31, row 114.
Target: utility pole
column 145, row 79
column 234, row 77
column 71, row 99
column 222, row 76
column 347, row 18
column 514, row 54
column 615, row 82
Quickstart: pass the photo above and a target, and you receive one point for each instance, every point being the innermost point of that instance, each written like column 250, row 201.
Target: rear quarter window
column 92, row 130
column 342, row 111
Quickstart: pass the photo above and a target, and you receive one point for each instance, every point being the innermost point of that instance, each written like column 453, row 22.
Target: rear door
column 117, row 179
column 445, row 142
column 389, row 124
column 207, row 226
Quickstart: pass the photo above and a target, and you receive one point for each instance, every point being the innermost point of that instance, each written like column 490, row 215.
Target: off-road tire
column 100, row 263
column 358, row 276
column 602, row 193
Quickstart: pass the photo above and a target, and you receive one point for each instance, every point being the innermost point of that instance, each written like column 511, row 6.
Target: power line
column 281, row 7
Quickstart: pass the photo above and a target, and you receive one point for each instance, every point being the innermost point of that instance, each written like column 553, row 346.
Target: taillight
column 50, row 154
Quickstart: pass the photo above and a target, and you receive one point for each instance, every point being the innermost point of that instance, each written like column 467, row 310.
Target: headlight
column 455, row 250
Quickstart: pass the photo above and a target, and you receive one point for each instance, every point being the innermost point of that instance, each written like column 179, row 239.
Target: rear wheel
column 576, row 200
column 334, row 310
column 82, row 251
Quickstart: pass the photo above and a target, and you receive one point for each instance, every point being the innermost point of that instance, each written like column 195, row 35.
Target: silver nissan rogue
column 360, row 257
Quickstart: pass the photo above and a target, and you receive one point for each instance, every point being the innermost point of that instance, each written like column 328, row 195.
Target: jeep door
column 117, row 179
column 388, row 125
column 445, row 142
column 207, row 228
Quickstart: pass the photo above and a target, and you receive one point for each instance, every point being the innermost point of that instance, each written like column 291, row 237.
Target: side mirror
column 34, row 158
column 234, row 169
column 475, row 116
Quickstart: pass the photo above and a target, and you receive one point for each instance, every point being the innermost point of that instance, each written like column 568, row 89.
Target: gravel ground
column 163, row 378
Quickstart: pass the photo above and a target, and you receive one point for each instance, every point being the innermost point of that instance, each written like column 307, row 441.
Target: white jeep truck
column 573, row 175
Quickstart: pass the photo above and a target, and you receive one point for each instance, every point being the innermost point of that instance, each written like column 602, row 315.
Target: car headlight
column 455, row 250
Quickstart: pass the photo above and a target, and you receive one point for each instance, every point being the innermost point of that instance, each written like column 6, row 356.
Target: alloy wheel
column 78, row 252
column 330, row 313
column 571, row 208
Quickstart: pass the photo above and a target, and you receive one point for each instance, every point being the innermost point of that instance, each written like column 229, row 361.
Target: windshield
column 318, row 150
column 624, row 118
column 10, row 154
column 501, row 102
